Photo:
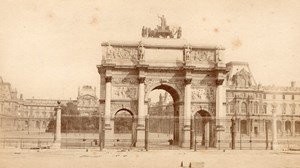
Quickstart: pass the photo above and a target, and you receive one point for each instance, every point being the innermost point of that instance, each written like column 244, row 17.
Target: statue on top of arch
column 162, row 30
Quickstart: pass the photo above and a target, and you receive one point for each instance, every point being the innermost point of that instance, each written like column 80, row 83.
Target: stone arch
column 244, row 107
column 170, row 88
column 203, row 113
column 124, row 109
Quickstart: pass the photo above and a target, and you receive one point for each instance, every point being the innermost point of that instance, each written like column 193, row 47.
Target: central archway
column 163, row 116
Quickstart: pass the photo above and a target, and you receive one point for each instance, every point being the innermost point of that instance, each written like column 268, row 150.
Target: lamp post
column 233, row 126
column 274, row 129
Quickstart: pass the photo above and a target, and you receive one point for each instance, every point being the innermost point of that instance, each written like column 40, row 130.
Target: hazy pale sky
column 50, row 48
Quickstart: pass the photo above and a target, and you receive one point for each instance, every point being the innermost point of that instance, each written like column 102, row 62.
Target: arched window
column 265, row 108
column 244, row 108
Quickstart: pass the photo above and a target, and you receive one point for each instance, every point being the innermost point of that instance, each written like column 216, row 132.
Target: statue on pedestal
column 141, row 52
column 187, row 53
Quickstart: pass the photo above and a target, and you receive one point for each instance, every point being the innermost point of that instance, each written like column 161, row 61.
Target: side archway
column 124, row 125
column 205, row 128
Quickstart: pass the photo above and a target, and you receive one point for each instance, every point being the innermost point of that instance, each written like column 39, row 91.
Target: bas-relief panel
column 203, row 56
column 203, row 94
column 120, row 53
column 124, row 93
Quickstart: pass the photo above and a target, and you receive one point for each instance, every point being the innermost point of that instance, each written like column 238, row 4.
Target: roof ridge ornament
column 162, row 30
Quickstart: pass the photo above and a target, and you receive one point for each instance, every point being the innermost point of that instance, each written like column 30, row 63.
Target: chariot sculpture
column 162, row 30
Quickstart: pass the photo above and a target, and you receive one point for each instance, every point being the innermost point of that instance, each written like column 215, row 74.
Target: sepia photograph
column 133, row 83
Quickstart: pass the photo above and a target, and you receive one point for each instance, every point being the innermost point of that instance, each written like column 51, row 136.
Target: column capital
column 108, row 79
column 219, row 81
column 187, row 81
column 141, row 79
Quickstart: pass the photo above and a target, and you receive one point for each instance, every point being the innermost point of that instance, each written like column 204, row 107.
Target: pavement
column 75, row 158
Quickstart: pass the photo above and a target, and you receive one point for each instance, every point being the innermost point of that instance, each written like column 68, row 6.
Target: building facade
column 252, row 104
column 34, row 114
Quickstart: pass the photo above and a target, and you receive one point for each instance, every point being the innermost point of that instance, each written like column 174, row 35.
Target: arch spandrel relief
column 203, row 56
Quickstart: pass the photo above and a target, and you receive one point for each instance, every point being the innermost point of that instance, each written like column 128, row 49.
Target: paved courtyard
column 15, row 158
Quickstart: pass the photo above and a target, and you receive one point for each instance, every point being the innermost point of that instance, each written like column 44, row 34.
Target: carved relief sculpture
column 124, row 93
column 202, row 56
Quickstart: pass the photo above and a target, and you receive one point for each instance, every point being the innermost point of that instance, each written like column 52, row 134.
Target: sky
column 50, row 48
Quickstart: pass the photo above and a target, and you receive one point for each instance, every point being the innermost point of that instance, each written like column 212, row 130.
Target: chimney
column 293, row 84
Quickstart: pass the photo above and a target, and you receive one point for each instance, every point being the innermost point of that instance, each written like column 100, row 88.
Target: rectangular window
column 283, row 108
column 293, row 97
column 265, row 96
column 283, row 97
column 231, row 108
column 274, row 96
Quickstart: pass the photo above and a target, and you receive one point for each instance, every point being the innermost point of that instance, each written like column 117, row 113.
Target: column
column 57, row 142
column 207, row 139
column 187, row 102
column 187, row 113
column 274, row 130
column 293, row 127
column 264, row 125
column 107, row 100
column 140, row 130
column 220, row 113
column 141, row 98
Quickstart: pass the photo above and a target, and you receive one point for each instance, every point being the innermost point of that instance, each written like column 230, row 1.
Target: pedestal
column 140, row 133
column 186, row 136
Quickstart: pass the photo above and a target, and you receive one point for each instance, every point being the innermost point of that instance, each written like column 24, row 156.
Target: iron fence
column 156, row 132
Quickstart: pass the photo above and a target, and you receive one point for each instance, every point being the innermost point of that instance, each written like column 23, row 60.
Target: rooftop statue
column 162, row 30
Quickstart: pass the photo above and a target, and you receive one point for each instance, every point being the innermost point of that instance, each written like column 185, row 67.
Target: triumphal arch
column 192, row 74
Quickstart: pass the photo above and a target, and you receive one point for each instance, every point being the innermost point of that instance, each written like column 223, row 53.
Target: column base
column 108, row 136
column 140, row 130
column 186, row 136
column 274, row 146
column 56, row 145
